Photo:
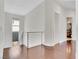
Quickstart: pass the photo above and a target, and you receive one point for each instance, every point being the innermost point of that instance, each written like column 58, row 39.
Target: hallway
column 65, row 50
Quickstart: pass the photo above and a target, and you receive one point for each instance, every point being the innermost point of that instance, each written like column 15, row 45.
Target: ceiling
column 20, row 7
column 68, row 4
column 24, row 6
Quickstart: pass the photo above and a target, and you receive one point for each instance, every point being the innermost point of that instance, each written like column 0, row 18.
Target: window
column 15, row 29
column 15, row 26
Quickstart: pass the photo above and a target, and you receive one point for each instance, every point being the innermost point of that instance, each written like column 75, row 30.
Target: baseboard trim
column 51, row 45
column 1, row 57
column 44, row 44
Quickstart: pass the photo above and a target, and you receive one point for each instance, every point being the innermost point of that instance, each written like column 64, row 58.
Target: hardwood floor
column 65, row 50
column 61, row 51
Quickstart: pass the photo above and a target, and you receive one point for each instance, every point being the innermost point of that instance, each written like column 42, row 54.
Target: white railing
column 34, row 38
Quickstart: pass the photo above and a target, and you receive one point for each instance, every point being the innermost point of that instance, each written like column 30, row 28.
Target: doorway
column 15, row 32
column 69, row 28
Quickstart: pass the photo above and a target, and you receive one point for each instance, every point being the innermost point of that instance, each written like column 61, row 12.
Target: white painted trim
column 62, row 41
column 7, row 46
column 1, row 57
column 1, row 53
column 34, row 45
column 50, row 45
column 24, row 44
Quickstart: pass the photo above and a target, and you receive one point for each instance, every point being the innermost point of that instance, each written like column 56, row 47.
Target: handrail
column 35, row 32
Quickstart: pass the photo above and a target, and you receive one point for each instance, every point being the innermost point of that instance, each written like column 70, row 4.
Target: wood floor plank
column 65, row 50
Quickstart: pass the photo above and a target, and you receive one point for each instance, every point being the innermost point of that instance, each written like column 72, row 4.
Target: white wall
column 21, row 32
column 1, row 28
column 8, row 28
column 42, row 19
column 8, row 31
column 34, row 22
column 53, row 7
